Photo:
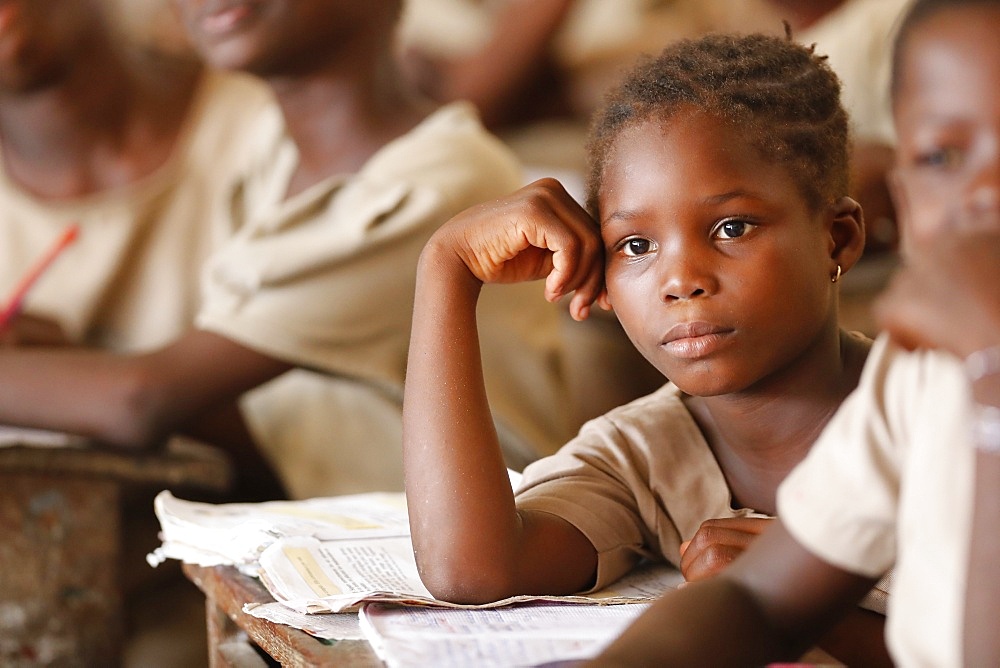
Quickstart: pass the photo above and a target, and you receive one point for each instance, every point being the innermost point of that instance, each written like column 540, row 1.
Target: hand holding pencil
column 12, row 307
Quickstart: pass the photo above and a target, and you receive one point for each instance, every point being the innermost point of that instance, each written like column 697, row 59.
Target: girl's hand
column 947, row 295
column 717, row 543
column 536, row 232
column 30, row 330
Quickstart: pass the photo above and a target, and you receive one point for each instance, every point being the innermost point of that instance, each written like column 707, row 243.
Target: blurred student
column 359, row 173
column 856, row 36
column 723, row 268
column 137, row 148
column 907, row 474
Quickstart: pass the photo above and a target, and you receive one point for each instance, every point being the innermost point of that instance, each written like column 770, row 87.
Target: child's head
column 784, row 99
column 719, row 179
column 946, row 102
column 280, row 37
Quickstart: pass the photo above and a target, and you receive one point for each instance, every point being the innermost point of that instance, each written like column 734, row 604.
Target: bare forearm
column 462, row 512
column 76, row 391
column 709, row 623
column 772, row 603
column 858, row 640
column 127, row 400
column 471, row 543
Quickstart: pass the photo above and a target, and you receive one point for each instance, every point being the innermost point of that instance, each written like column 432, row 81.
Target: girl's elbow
column 457, row 582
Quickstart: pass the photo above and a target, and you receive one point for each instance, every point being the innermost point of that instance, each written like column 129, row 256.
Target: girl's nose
column 685, row 276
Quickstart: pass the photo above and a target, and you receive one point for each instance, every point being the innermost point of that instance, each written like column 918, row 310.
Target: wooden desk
column 60, row 545
column 230, row 630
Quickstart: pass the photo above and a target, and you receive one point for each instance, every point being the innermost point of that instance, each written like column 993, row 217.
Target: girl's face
column 717, row 268
column 947, row 111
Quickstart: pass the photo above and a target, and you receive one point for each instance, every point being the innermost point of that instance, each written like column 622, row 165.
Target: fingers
column 537, row 232
column 716, row 544
column 578, row 251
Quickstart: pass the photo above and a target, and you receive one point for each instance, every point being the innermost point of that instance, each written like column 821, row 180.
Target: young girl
column 898, row 478
column 718, row 178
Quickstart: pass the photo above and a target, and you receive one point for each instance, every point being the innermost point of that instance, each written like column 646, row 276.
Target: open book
column 527, row 634
column 334, row 554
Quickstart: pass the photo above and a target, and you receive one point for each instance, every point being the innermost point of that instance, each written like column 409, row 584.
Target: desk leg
column 59, row 554
column 228, row 644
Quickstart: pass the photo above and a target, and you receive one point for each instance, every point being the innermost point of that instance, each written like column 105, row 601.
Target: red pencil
column 16, row 298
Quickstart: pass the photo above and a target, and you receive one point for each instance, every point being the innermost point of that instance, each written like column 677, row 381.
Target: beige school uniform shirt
column 325, row 280
column 889, row 482
column 637, row 482
column 130, row 282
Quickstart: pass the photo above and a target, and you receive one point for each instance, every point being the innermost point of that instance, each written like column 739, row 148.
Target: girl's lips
column 692, row 340
column 224, row 19
column 696, row 346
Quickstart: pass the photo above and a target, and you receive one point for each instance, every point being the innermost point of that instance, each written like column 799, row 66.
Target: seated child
column 718, row 183
column 139, row 158
column 319, row 277
column 890, row 481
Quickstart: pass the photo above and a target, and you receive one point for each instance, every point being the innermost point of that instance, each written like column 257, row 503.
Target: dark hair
column 782, row 96
column 918, row 12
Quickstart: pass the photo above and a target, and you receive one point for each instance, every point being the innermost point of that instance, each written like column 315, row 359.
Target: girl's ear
column 847, row 233
column 604, row 301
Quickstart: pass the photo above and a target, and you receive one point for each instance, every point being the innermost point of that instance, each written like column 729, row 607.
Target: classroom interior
column 556, row 60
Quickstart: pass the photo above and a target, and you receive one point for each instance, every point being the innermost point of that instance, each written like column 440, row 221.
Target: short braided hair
column 784, row 97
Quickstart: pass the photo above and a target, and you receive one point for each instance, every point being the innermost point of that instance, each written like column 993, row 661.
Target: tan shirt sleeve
column 636, row 482
column 325, row 280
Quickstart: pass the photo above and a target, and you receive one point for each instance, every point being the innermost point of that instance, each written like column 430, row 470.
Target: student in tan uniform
column 907, row 473
column 137, row 148
column 359, row 172
column 721, row 229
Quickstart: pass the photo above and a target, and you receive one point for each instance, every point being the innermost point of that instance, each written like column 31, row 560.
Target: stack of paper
column 237, row 533
column 332, row 554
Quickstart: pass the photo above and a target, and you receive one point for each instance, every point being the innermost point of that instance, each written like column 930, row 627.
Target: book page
column 314, row 576
column 526, row 634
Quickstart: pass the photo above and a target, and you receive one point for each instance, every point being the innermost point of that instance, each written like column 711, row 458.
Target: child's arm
column 127, row 400
column 771, row 604
column 859, row 639
column 471, row 543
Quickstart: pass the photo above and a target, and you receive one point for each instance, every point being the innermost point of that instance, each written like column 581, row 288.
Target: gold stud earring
column 836, row 276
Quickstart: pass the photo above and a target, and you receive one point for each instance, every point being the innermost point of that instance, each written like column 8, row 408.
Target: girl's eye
column 946, row 157
column 637, row 246
column 732, row 228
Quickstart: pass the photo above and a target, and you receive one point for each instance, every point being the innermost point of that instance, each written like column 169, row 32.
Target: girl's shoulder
column 654, row 418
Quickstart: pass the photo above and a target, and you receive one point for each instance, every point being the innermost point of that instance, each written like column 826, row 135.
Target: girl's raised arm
column 471, row 544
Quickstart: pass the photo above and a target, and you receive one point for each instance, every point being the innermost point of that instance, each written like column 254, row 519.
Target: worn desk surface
column 60, row 551
column 229, row 628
